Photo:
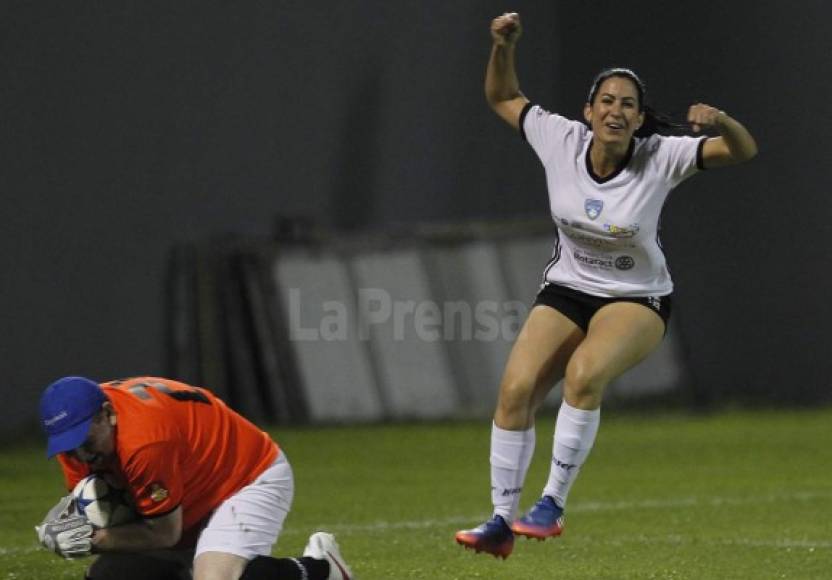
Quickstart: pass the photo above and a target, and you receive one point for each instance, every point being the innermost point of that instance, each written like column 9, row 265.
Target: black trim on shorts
column 700, row 159
column 580, row 307
column 523, row 114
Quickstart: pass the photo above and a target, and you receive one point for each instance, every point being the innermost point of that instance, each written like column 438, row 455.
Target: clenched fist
column 702, row 116
column 506, row 29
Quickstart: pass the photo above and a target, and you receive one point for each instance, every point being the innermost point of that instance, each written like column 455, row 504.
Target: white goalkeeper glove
column 65, row 507
column 66, row 532
column 69, row 537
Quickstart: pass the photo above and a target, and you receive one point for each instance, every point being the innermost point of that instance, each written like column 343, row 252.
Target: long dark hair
column 654, row 121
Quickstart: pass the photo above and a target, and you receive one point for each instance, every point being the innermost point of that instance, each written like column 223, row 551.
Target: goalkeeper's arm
column 146, row 534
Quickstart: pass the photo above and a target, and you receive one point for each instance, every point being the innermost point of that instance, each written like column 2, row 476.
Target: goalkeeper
column 211, row 489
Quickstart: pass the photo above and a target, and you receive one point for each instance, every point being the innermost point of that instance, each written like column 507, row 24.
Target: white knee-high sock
column 511, row 454
column 575, row 432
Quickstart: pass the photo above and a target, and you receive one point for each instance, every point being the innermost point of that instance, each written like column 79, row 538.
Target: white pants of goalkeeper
column 249, row 522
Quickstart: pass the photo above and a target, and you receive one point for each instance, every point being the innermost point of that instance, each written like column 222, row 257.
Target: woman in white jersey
column 605, row 301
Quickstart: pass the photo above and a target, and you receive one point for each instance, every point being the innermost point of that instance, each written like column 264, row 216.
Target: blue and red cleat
column 494, row 537
column 544, row 520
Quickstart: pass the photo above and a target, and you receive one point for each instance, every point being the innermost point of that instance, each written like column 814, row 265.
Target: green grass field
column 729, row 496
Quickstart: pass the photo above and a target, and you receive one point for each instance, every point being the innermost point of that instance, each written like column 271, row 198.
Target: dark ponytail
column 654, row 121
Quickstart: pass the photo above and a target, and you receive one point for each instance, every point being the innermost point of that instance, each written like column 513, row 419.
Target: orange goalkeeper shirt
column 178, row 445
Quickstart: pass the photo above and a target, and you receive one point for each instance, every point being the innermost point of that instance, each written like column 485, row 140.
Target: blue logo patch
column 593, row 207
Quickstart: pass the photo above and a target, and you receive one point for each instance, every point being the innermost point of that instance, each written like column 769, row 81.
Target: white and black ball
column 103, row 504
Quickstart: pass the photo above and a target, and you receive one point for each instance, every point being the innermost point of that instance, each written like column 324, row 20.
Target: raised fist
column 506, row 29
column 702, row 116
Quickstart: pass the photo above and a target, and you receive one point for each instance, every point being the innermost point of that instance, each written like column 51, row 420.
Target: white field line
column 20, row 551
column 782, row 544
column 583, row 507
column 677, row 540
column 579, row 507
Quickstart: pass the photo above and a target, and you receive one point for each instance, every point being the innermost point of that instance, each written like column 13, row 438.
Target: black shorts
column 580, row 307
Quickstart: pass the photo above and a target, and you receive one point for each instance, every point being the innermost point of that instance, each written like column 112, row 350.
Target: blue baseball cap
column 67, row 408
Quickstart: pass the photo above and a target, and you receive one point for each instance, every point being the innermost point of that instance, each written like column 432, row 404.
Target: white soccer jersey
column 607, row 228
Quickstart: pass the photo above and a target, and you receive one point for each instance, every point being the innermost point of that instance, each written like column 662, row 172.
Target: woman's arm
column 502, row 89
column 734, row 144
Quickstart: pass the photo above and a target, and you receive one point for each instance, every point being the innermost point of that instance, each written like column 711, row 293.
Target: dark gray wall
column 131, row 126
column 128, row 127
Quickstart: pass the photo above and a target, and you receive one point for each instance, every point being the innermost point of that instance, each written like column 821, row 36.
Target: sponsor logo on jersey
column 605, row 263
column 593, row 207
column 598, row 243
column 158, row 493
column 624, row 262
column 621, row 231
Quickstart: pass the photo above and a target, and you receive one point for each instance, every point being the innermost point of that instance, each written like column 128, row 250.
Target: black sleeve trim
column 700, row 160
column 523, row 114
column 154, row 516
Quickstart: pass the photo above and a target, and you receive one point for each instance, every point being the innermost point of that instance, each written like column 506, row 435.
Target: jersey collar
column 619, row 169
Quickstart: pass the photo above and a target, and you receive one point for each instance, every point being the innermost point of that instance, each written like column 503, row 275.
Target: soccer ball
column 103, row 504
